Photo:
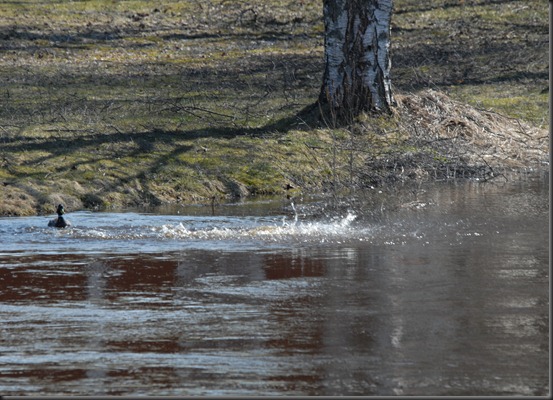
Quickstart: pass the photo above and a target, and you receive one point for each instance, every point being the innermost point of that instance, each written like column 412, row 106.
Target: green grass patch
column 528, row 103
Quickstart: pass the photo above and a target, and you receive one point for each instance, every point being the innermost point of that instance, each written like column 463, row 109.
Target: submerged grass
column 109, row 104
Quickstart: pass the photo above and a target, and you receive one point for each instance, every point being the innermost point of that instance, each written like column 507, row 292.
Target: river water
column 442, row 290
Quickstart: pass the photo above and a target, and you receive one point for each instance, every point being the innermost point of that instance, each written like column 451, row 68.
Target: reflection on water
column 446, row 297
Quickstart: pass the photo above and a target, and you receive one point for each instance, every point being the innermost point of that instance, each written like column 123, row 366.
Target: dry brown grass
column 472, row 135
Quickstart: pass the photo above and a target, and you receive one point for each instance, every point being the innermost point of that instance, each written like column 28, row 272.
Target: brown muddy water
column 448, row 295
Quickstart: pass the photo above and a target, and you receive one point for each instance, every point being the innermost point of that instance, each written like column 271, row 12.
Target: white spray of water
column 316, row 230
column 295, row 212
column 243, row 229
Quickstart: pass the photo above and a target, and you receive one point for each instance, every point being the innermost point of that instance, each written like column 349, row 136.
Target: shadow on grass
column 415, row 6
column 107, row 163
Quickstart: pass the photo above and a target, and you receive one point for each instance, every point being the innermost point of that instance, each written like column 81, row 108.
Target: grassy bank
column 109, row 104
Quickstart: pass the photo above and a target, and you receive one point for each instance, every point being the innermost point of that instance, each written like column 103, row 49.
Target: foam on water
column 92, row 232
column 229, row 229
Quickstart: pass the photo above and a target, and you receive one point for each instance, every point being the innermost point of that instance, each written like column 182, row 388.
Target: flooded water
column 443, row 294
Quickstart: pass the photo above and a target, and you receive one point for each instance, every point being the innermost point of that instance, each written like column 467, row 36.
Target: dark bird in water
column 59, row 222
column 288, row 187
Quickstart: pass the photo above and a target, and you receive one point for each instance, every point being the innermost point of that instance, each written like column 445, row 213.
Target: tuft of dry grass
column 471, row 136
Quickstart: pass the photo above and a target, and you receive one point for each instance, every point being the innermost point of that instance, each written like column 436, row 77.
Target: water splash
column 144, row 232
column 135, row 232
column 295, row 212
column 339, row 228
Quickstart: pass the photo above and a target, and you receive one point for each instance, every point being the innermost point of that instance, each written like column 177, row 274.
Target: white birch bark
column 357, row 56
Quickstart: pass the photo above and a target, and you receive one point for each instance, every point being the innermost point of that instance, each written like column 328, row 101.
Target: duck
column 59, row 222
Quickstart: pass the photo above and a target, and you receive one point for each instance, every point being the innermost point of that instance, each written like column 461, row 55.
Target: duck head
column 59, row 222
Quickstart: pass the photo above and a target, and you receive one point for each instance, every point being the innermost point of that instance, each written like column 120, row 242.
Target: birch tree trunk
column 357, row 57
